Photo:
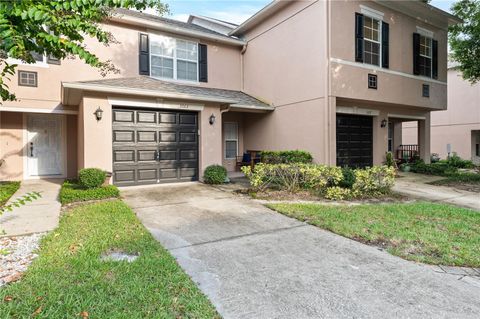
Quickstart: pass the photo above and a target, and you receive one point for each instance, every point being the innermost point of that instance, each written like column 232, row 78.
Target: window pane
column 371, row 52
column 162, row 67
column 230, row 130
column 163, row 46
column 37, row 56
column 230, row 149
column 186, row 70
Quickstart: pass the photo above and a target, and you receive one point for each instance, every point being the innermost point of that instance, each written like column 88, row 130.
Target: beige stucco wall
column 11, row 146
column 455, row 125
column 350, row 81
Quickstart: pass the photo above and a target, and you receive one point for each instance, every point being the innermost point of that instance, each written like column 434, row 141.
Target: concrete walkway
column 415, row 185
column 254, row 263
column 38, row 216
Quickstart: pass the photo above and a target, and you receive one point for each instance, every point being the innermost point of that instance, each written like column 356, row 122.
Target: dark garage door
column 354, row 140
column 151, row 146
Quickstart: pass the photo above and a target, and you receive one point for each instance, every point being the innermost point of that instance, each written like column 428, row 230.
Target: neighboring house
column 324, row 76
column 458, row 128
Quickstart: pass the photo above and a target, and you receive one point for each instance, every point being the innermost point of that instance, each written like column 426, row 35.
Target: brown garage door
column 354, row 140
column 151, row 146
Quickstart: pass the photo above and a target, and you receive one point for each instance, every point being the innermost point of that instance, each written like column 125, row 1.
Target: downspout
column 328, row 85
column 242, row 70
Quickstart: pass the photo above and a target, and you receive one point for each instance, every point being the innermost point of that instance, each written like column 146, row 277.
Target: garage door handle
column 31, row 149
column 157, row 155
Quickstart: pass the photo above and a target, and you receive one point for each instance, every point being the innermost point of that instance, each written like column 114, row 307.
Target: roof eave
column 122, row 18
column 258, row 17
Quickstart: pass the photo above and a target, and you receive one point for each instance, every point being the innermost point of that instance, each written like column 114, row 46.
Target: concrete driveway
column 254, row 263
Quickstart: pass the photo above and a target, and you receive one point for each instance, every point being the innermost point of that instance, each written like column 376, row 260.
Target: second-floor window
column 425, row 62
column 371, row 38
column 172, row 58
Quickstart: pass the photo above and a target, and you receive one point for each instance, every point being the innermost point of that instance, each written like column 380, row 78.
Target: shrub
column 285, row 157
column 338, row 193
column 215, row 174
column 456, row 161
column 389, row 159
column 91, row 177
column 373, row 181
column 438, row 168
column 73, row 192
column 292, row 177
column 348, row 178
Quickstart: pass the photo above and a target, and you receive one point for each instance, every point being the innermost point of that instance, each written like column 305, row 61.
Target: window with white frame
column 172, row 58
column 230, row 133
column 425, row 62
column 372, row 41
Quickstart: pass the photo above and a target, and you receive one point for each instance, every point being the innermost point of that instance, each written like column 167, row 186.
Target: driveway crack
column 270, row 231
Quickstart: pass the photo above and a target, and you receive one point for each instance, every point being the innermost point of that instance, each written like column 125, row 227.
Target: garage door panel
column 168, row 173
column 123, row 136
column 125, row 175
column 123, row 116
column 146, row 155
column 187, row 119
column 167, row 118
column 144, row 117
column 168, row 136
column 166, row 155
column 188, row 173
column 146, row 136
column 148, row 174
column 189, row 137
column 188, row 155
column 123, row 156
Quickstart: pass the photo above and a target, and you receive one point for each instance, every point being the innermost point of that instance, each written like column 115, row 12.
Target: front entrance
column 354, row 140
column 152, row 146
column 45, row 145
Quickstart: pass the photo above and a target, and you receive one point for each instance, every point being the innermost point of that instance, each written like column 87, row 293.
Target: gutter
column 167, row 28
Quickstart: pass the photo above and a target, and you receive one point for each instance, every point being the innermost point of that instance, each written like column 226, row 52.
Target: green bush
column 285, row 157
column 91, row 177
column 348, row 177
column 215, row 174
column 373, row 181
column 439, row 168
column 74, row 192
column 456, row 161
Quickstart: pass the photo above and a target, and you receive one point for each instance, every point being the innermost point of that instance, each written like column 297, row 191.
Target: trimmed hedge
column 286, row 157
column 73, row 192
column 215, row 174
column 91, row 177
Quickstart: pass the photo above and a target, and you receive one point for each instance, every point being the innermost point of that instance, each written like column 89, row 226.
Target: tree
column 57, row 28
column 464, row 39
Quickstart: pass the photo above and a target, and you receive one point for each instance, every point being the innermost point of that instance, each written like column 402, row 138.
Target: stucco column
column 397, row 135
column 210, row 148
column 424, row 138
column 380, row 139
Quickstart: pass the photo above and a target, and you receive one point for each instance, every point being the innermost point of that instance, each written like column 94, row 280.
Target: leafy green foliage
column 72, row 192
column 7, row 189
column 327, row 180
column 464, row 38
column 424, row 232
column 215, row 174
column 57, row 28
column 456, row 161
column 70, row 280
column 446, row 167
column 285, row 157
column 91, row 177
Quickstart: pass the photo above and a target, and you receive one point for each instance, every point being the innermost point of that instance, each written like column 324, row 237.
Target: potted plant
column 405, row 167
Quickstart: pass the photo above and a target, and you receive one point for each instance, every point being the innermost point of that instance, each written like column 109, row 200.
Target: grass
column 68, row 280
column 7, row 189
column 464, row 181
column 72, row 192
column 423, row 232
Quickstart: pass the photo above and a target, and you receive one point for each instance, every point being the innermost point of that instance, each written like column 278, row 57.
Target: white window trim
column 372, row 13
column 174, row 57
column 40, row 64
column 225, row 140
column 425, row 32
column 428, row 56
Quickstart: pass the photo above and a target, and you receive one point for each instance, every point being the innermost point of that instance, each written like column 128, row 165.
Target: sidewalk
column 38, row 216
column 415, row 185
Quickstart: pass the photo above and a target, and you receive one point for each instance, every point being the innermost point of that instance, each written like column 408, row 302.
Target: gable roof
column 170, row 25
column 151, row 87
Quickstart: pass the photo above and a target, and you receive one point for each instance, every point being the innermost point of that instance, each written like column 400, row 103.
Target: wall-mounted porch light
column 211, row 119
column 383, row 123
column 98, row 114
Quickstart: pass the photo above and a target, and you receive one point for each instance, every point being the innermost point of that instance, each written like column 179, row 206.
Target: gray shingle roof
column 236, row 98
column 170, row 22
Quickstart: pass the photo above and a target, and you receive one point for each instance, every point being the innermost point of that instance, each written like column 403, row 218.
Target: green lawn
column 7, row 189
column 465, row 181
column 68, row 280
column 72, row 192
column 424, row 232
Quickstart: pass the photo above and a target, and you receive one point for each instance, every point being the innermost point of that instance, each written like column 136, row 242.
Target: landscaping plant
column 215, row 174
column 284, row 157
column 91, row 177
column 74, row 192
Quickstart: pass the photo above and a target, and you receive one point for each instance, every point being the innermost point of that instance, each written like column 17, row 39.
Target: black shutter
column 434, row 59
column 202, row 63
column 385, row 41
column 143, row 55
column 416, row 54
column 358, row 37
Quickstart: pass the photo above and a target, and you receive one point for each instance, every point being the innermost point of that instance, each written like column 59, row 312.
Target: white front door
column 45, row 145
